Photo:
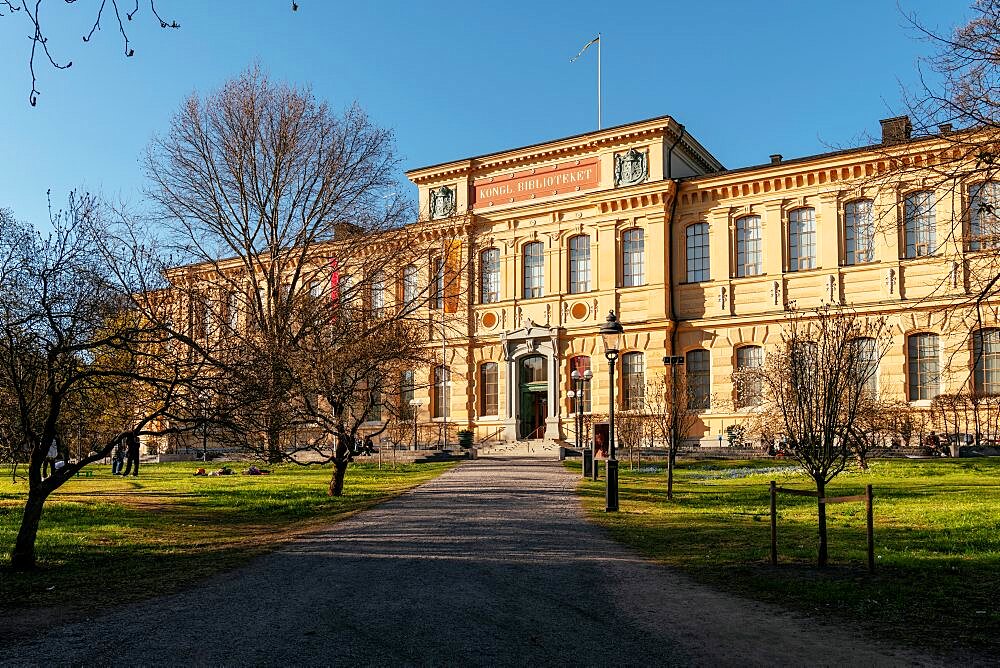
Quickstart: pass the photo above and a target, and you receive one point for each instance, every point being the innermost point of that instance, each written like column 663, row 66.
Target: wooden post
column 871, row 529
column 774, row 523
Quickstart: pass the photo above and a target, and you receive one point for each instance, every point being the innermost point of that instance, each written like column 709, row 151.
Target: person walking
column 49, row 465
column 131, row 454
column 118, row 457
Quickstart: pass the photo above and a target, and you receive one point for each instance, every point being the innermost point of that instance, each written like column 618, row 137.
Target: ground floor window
column 488, row 389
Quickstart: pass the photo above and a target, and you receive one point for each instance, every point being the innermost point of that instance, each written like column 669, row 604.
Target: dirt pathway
column 492, row 563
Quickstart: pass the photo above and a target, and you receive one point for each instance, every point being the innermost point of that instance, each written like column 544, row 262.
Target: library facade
column 696, row 261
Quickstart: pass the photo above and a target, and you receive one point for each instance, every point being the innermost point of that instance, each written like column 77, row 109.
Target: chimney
column 896, row 130
column 945, row 128
column 775, row 158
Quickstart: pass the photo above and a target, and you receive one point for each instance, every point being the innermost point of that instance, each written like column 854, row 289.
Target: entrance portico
column 532, row 373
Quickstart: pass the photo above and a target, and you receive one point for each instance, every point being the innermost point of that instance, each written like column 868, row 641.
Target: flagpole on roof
column 585, row 47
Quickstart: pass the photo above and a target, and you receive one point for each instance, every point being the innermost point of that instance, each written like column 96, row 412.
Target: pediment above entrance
column 531, row 330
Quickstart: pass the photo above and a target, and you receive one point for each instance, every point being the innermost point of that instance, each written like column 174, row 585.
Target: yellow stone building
column 696, row 260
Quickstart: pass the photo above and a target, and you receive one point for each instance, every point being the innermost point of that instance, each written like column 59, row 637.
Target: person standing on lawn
column 49, row 465
column 131, row 454
column 118, row 457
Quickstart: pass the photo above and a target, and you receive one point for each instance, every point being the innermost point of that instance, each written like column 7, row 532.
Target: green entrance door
column 533, row 388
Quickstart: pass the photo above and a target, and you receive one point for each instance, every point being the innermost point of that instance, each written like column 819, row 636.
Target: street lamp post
column 415, row 406
column 611, row 332
column 586, row 455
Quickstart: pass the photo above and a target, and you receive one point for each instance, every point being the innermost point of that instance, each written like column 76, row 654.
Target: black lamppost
column 577, row 392
column 611, row 332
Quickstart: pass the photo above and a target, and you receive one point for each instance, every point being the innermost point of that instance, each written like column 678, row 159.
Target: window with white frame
column 633, row 258
column 986, row 362
column 864, row 351
column 923, row 366
column 920, row 224
column 984, row 215
column 441, row 399
column 859, row 232
column 489, row 276
column 411, row 284
column 489, row 393
column 534, row 269
column 749, row 388
column 633, row 381
column 378, row 295
column 748, row 246
column 437, row 294
column 696, row 237
column 801, row 239
column 579, row 264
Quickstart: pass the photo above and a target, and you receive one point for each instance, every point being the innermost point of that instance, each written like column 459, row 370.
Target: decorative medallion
column 630, row 168
column 442, row 202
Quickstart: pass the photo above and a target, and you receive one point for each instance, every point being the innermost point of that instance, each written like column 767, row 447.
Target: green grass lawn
column 104, row 540
column 937, row 541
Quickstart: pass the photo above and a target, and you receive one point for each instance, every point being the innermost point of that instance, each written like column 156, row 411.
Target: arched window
column 489, row 276
column 984, row 215
column 534, row 269
column 696, row 237
column 633, row 381
column 699, row 385
column 920, row 222
column 986, row 361
column 923, row 367
column 633, row 258
column 489, row 394
column 801, row 239
column 864, row 350
column 859, row 232
column 442, row 392
column 748, row 246
column 749, row 388
column 579, row 264
column 581, row 364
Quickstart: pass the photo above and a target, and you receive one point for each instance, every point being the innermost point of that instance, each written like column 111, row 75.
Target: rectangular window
column 984, row 221
column 437, row 296
column 581, row 364
column 579, row 264
column 633, row 258
column 920, row 224
column 374, row 413
column 986, row 362
column 442, row 392
column 923, row 366
column 534, row 269
column 406, row 392
column 489, row 389
column 411, row 287
column 801, row 239
column 489, row 276
column 378, row 295
column 633, row 381
column 859, row 232
column 699, row 383
column 697, row 252
column 748, row 246
column 749, row 388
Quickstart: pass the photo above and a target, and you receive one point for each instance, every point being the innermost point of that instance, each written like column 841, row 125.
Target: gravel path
column 492, row 563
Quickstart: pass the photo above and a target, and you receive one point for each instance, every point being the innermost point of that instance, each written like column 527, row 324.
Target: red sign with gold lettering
column 562, row 179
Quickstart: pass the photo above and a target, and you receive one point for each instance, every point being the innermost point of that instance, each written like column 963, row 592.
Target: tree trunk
column 337, row 479
column 23, row 556
column 274, row 447
column 821, row 510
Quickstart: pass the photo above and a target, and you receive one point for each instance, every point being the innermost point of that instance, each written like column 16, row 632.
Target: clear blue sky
column 455, row 79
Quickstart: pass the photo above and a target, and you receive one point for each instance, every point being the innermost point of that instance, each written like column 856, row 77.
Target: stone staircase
column 531, row 448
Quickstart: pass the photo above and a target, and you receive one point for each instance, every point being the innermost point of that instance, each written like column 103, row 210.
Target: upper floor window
column 489, row 394
column 633, row 258
column 489, row 276
column 378, row 295
column 919, row 220
column 534, row 269
column 859, row 232
column 984, row 215
column 986, row 362
column 748, row 246
column 749, row 388
column 697, row 252
column 581, row 364
column 923, row 367
column 411, row 287
column 579, row 264
column 441, row 399
column 699, row 383
column 633, row 381
column 437, row 294
column 801, row 239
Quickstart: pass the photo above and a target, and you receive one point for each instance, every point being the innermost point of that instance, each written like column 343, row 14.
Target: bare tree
column 673, row 415
column 816, row 383
column 72, row 351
